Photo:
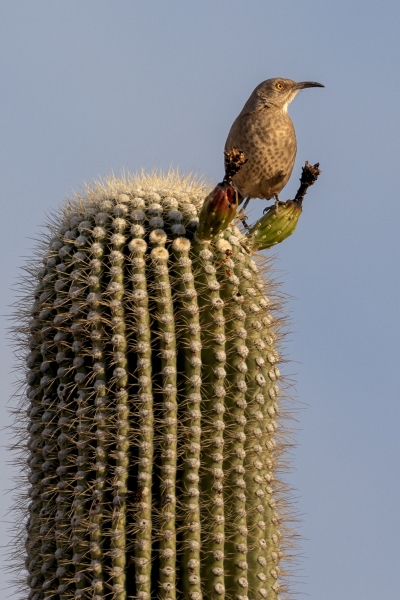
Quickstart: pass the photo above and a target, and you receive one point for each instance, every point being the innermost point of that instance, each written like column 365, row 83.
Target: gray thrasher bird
column 265, row 133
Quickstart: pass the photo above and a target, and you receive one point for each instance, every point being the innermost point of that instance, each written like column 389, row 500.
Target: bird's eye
column 280, row 85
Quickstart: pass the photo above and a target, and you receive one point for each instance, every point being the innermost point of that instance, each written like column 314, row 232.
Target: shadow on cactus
column 151, row 425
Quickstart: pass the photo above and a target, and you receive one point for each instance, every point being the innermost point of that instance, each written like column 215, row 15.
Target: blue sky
column 93, row 86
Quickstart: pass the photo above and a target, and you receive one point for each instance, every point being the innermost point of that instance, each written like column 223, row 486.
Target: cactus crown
column 152, row 438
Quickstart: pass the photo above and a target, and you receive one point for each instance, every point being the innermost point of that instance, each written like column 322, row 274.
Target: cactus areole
column 153, row 445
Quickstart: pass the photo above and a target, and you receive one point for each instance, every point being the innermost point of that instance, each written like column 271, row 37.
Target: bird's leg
column 241, row 215
column 247, row 200
column 241, row 200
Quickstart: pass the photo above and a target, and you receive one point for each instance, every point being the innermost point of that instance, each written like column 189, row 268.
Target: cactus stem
column 153, row 442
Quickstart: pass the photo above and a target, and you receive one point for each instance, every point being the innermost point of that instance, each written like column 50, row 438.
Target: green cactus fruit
column 278, row 223
column 154, row 444
column 217, row 211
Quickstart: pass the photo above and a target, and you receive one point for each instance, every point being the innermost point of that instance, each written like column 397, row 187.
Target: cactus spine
column 152, row 405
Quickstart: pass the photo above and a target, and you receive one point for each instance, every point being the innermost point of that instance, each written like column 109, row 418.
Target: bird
column 264, row 132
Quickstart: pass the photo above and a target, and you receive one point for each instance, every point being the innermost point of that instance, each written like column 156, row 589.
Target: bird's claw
column 276, row 206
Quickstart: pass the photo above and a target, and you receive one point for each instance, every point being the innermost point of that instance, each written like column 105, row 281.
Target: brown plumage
column 265, row 133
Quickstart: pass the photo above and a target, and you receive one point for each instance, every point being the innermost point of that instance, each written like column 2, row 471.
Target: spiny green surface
column 152, row 401
column 277, row 224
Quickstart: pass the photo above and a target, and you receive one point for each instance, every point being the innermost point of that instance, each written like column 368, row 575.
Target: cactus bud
column 217, row 212
column 275, row 226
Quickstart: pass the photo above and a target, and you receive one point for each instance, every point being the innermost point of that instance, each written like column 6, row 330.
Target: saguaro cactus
column 153, row 404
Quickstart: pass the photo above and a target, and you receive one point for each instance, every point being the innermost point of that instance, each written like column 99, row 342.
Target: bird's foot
column 277, row 204
column 242, row 217
column 267, row 208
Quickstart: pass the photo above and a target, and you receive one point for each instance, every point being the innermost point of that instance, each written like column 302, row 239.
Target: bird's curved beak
column 307, row 84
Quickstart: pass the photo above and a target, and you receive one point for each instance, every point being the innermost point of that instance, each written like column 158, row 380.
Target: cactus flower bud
column 275, row 226
column 217, row 212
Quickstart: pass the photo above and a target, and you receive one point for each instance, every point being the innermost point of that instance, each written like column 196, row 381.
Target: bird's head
column 279, row 92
